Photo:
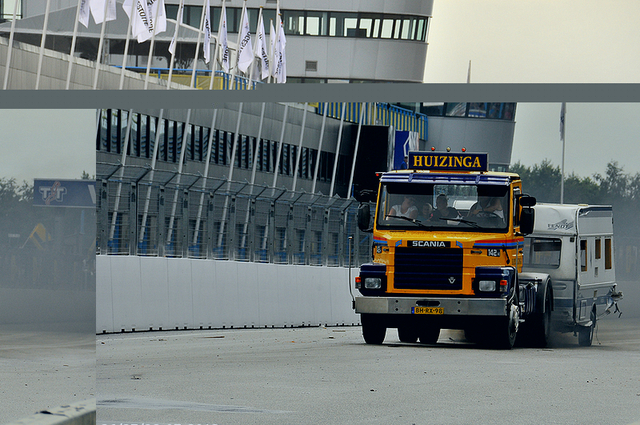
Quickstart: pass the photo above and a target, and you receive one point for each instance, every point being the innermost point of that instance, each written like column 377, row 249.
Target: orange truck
column 449, row 241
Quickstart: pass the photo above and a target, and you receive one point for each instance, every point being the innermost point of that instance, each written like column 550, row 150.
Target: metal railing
column 166, row 214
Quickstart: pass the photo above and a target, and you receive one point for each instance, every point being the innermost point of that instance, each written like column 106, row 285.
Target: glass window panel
column 420, row 31
column 387, row 28
column 194, row 16
column 366, row 25
column 396, row 29
column 406, row 29
column 268, row 16
column 456, row 109
column 316, row 23
column 375, row 33
column 215, row 19
column 293, row 22
column 351, row 26
column 478, row 110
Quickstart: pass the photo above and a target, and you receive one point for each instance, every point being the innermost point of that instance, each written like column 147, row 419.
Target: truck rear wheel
column 585, row 334
column 540, row 331
column 373, row 330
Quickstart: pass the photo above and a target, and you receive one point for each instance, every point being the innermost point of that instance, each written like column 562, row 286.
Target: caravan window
column 583, row 255
column 542, row 252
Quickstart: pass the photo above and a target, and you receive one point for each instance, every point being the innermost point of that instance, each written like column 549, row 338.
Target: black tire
column 507, row 327
column 540, row 332
column 429, row 335
column 407, row 333
column 585, row 334
column 373, row 331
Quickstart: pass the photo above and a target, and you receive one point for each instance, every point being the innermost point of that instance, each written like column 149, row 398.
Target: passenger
column 443, row 210
column 406, row 209
column 425, row 212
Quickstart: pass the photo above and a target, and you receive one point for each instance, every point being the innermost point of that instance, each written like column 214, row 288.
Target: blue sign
column 64, row 193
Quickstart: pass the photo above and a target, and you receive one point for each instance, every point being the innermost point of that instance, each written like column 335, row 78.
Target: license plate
column 427, row 310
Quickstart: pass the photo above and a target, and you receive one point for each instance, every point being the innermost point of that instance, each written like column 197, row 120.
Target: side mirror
column 527, row 219
column 364, row 217
column 527, row 201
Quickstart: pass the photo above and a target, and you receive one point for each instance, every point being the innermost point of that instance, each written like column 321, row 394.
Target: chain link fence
column 148, row 212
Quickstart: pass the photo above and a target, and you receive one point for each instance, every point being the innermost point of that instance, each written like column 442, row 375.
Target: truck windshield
column 542, row 252
column 465, row 207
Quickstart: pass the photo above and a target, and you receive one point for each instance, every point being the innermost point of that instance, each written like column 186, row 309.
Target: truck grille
column 428, row 268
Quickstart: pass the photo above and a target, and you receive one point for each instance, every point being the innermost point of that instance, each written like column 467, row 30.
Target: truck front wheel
column 507, row 327
column 373, row 330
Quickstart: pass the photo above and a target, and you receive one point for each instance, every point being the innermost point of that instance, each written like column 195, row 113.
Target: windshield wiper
column 412, row 220
column 461, row 220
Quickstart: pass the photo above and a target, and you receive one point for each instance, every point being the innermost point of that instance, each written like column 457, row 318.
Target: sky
column 53, row 144
column 548, row 41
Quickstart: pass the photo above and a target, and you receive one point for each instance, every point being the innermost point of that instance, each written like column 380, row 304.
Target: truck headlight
column 372, row 283
column 487, row 285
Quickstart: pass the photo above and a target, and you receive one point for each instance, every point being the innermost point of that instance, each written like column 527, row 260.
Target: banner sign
column 405, row 141
column 447, row 161
column 64, row 193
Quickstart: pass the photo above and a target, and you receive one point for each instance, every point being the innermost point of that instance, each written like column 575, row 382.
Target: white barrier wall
column 150, row 293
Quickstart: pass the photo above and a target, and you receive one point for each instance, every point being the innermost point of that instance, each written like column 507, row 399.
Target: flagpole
column 201, row 30
column 42, row 41
column 10, row 45
column 73, row 45
column 206, row 175
column 335, row 164
column 154, row 158
column 122, row 164
column 126, row 44
column 151, row 46
column 297, row 167
column 255, row 49
column 284, row 122
column 563, row 110
column 355, row 152
column 100, row 44
column 174, row 41
column 185, row 140
column 235, row 69
column 317, row 165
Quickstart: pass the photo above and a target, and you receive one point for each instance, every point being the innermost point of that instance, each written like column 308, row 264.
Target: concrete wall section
column 149, row 293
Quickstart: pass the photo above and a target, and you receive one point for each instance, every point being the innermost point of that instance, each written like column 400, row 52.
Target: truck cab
column 459, row 266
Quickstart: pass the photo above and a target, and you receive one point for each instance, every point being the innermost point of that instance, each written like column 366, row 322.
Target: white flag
column 172, row 45
column 207, row 34
column 261, row 48
column 245, row 50
column 83, row 16
column 222, row 39
column 272, row 49
column 148, row 17
column 281, row 60
column 97, row 11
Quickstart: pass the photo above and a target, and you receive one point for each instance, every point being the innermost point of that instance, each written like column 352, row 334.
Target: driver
column 487, row 204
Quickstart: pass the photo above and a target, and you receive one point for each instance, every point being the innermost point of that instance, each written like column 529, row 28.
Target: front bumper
column 451, row 306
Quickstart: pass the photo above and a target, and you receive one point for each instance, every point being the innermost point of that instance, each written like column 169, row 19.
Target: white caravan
column 573, row 244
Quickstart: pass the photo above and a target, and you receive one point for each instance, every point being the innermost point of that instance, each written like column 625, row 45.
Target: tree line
column 616, row 188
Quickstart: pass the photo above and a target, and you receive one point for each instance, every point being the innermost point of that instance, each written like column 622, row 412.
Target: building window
column 608, row 254
column 316, row 23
